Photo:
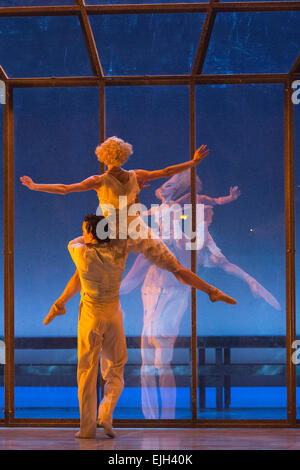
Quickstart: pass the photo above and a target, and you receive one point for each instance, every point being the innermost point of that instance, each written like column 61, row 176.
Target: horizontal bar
column 139, row 423
column 256, row 6
column 191, row 8
column 40, row 11
column 147, row 80
column 53, row 81
column 149, row 8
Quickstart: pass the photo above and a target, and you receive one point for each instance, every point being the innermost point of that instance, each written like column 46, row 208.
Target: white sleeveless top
column 111, row 189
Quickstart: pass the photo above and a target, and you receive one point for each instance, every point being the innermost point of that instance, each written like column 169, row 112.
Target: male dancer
column 100, row 265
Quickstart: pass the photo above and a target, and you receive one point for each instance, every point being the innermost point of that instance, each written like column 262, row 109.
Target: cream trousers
column 100, row 333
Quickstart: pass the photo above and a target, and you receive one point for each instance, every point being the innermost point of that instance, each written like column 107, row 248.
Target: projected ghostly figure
column 165, row 300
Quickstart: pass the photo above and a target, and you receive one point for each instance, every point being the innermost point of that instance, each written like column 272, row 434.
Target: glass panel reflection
column 241, row 366
column 155, row 305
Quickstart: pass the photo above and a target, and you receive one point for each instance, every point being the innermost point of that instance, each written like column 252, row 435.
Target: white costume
column 111, row 189
column 165, row 301
column 115, row 200
column 100, row 325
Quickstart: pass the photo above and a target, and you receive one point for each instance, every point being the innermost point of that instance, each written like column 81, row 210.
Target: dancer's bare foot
column 78, row 435
column 107, row 427
column 216, row 295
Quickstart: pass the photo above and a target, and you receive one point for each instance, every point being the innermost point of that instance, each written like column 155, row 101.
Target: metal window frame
column 212, row 8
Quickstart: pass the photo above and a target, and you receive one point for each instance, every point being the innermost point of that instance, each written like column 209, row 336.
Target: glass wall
column 56, row 133
column 155, row 120
column 159, row 49
column 253, row 42
column 242, row 348
column 43, row 46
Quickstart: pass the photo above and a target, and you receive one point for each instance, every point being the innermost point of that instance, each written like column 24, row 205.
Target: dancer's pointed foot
column 79, row 435
column 107, row 427
column 259, row 291
column 216, row 295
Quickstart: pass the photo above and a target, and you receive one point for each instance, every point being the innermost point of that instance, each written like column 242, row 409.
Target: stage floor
column 152, row 439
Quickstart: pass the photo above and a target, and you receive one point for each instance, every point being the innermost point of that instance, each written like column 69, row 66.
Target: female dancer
column 115, row 183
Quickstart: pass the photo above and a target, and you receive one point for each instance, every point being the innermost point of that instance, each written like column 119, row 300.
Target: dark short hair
column 92, row 221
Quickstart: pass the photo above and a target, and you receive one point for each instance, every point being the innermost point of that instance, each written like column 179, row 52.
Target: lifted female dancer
column 116, row 182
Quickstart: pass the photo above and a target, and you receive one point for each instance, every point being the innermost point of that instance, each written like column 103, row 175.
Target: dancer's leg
column 173, row 304
column 148, row 379
column 256, row 288
column 113, row 360
column 186, row 276
column 157, row 253
column 148, row 371
column 89, row 346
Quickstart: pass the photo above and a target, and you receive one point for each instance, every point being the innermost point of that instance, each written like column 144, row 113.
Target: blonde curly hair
column 113, row 151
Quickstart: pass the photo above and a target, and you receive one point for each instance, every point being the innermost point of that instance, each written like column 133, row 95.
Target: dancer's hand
column 27, row 181
column 235, row 192
column 201, row 153
column 142, row 185
column 58, row 308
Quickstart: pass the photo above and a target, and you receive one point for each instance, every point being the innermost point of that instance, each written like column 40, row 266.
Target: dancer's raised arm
column 211, row 201
column 145, row 175
column 93, row 182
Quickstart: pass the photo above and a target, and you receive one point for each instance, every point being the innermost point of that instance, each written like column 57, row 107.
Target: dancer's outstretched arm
column 135, row 276
column 58, row 308
column 93, row 182
column 144, row 175
column 212, row 201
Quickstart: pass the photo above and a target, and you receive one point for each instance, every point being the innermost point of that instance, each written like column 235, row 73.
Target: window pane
column 56, row 132
column 147, row 44
column 158, row 374
column 262, row 42
column 242, row 348
column 43, row 46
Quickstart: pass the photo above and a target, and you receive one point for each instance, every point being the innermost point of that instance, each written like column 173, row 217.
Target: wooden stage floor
column 152, row 439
